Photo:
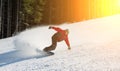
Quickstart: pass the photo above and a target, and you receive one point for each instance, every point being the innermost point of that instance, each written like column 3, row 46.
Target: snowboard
column 44, row 53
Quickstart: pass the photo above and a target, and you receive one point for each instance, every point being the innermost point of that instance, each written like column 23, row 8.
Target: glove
column 50, row 27
column 69, row 48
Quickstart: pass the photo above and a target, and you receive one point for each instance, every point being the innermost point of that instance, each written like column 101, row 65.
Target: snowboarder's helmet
column 67, row 31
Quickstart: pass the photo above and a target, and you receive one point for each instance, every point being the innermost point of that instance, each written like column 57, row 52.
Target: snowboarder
column 59, row 36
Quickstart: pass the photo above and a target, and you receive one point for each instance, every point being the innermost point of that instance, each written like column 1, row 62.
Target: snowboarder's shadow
column 15, row 56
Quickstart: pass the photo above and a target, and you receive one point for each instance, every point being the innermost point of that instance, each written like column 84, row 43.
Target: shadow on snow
column 16, row 56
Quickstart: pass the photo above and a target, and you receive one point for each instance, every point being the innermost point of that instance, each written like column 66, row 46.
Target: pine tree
column 32, row 12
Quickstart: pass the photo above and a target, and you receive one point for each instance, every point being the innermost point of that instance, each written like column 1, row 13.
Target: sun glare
column 107, row 7
column 118, row 6
column 118, row 3
column 111, row 7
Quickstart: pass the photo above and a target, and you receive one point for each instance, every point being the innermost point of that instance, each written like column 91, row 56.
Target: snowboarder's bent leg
column 52, row 47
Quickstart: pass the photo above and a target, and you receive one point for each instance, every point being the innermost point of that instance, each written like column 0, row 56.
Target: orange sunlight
column 97, row 8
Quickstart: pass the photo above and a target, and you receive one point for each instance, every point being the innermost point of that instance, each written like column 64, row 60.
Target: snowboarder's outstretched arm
column 67, row 42
column 56, row 28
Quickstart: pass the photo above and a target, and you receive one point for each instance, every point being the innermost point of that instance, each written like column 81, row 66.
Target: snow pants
column 52, row 47
column 55, row 38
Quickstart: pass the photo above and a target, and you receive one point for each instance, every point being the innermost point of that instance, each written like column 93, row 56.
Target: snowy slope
column 95, row 47
column 7, row 45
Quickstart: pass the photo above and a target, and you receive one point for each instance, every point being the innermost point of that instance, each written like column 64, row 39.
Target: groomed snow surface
column 95, row 47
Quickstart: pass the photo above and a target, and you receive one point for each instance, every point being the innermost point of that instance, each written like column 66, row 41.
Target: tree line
column 17, row 15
